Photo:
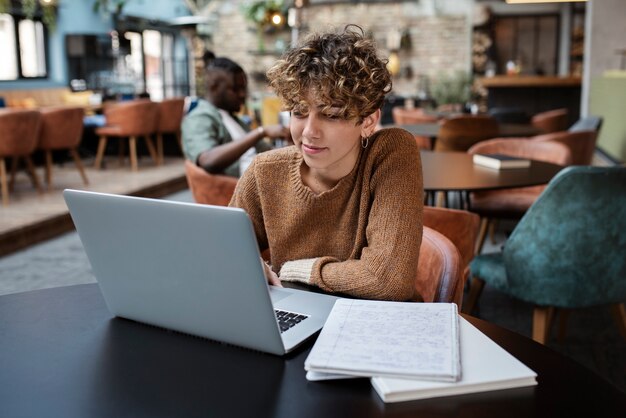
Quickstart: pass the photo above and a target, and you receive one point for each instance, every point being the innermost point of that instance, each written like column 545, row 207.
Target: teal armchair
column 568, row 251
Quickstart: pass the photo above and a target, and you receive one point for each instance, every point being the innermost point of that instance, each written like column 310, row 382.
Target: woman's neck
column 322, row 180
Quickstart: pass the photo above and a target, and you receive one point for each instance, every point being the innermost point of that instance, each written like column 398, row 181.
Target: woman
column 342, row 209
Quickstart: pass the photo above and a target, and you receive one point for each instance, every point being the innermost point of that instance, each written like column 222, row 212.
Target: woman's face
column 328, row 143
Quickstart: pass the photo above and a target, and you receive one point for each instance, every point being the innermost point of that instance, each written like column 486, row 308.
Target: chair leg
column 439, row 199
column 3, row 183
column 482, row 234
column 14, row 162
column 619, row 314
column 102, row 144
column 79, row 165
column 152, row 149
column 476, row 288
column 132, row 145
column 492, row 230
column 159, row 147
column 121, row 151
column 179, row 139
column 542, row 318
column 33, row 174
column 48, row 172
column 563, row 317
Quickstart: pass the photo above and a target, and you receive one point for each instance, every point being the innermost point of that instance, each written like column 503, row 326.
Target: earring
column 365, row 141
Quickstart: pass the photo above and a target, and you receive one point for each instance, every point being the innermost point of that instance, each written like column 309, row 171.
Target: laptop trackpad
column 277, row 294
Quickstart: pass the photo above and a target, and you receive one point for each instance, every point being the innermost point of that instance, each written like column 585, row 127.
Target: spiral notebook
column 393, row 339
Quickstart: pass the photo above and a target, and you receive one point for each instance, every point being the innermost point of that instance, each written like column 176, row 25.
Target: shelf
column 529, row 81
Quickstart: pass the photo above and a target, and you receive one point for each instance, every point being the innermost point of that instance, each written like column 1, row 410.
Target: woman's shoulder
column 397, row 139
column 275, row 161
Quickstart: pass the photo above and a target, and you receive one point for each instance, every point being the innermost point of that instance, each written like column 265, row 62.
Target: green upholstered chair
column 568, row 251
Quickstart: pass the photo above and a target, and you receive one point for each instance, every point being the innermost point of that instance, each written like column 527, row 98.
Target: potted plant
column 452, row 91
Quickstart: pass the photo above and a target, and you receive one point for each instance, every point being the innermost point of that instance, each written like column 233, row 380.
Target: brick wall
column 440, row 42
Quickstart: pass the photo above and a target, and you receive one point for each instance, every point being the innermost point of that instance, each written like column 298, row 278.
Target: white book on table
column 486, row 367
column 394, row 339
column 500, row 161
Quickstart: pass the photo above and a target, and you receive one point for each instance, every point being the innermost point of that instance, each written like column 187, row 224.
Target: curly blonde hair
column 341, row 70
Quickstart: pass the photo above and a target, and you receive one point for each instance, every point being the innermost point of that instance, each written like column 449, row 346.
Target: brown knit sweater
column 361, row 238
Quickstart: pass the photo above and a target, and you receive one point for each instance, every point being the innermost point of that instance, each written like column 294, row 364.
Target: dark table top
column 64, row 355
column 431, row 130
column 456, row 171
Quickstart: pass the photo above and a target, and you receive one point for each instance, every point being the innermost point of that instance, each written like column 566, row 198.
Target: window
column 22, row 48
column 152, row 52
column 168, row 64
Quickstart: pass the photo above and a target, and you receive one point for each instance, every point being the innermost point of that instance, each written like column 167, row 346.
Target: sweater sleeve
column 246, row 197
column 387, row 265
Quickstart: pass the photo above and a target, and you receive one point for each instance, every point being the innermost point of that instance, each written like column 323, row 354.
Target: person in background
column 213, row 136
column 342, row 209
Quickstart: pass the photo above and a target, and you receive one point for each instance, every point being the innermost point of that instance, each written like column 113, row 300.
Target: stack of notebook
column 412, row 351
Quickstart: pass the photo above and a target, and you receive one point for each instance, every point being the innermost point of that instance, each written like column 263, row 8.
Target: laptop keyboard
column 288, row 319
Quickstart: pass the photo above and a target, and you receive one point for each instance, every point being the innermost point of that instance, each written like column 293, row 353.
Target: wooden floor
column 31, row 217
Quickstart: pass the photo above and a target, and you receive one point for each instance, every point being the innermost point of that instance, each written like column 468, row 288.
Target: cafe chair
column 404, row 116
column 459, row 226
column 440, row 269
column 582, row 144
column 170, row 118
column 459, row 133
column 20, row 133
column 550, row 121
column 209, row 189
column 589, row 123
column 61, row 128
column 512, row 203
column 567, row 252
column 132, row 119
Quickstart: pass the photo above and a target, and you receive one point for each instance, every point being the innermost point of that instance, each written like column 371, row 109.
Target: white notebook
column 486, row 367
column 500, row 161
column 395, row 339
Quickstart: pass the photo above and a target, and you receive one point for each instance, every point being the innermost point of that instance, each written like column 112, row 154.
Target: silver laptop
column 190, row 268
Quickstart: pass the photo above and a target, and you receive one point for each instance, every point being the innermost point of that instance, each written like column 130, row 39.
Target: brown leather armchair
column 209, row 189
column 459, row 133
column 512, row 203
column 170, row 118
column 582, row 144
column 61, row 128
column 403, row 116
column 440, row 269
column 132, row 119
column 550, row 121
column 20, row 133
column 459, row 226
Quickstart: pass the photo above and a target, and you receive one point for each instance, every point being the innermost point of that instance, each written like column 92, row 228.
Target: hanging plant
column 49, row 16
column 260, row 13
column 106, row 7
column 29, row 7
column 5, row 6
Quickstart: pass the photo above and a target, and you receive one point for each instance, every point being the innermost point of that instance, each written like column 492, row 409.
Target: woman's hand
column 272, row 278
